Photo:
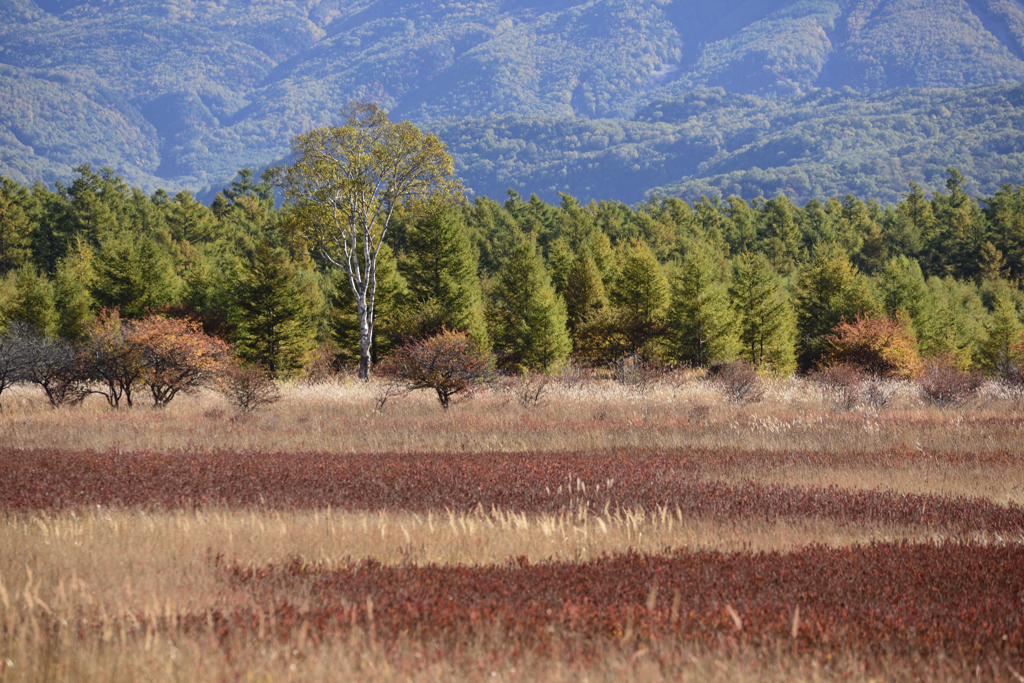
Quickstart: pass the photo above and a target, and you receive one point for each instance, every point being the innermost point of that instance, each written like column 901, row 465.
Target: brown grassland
column 604, row 533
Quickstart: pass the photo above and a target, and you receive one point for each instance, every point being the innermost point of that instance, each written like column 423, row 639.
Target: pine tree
column 526, row 319
column 764, row 316
column 741, row 228
column 275, row 328
column 574, row 223
column 912, row 225
column 955, row 328
column 828, row 290
column 600, row 248
column 29, row 300
column 780, row 234
column 16, row 228
column 560, row 258
column 639, row 296
column 440, row 269
column 190, row 220
column 902, row 289
column 584, row 291
column 701, row 323
column 72, row 292
column 1003, row 332
column 133, row 275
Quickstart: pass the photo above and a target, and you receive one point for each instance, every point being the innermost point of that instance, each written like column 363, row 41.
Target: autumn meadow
column 561, row 528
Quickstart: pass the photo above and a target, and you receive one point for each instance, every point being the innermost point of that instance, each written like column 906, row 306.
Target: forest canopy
column 779, row 284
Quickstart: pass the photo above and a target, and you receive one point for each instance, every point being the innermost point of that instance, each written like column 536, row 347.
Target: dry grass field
column 604, row 533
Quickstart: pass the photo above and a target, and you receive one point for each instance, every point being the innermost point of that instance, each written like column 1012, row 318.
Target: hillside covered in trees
column 771, row 282
column 605, row 99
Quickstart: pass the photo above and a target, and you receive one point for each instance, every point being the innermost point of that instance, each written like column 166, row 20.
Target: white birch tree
column 346, row 183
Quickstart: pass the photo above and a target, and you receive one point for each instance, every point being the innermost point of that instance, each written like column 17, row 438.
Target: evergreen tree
column 902, row 290
column 190, row 220
column 741, row 228
column 764, row 316
column 210, row 278
column 956, row 326
column 781, row 237
column 72, row 292
column 911, row 223
column 1005, row 214
column 99, row 203
column 818, row 222
column 600, row 248
column 526, row 318
column 584, row 291
column 828, row 290
column 440, row 269
column 133, row 275
column 701, row 323
column 997, row 352
column 275, row 328
column 960, row 230
column 29, row 300
column 16, row 227
column 992, row 265
column 639, row 296
column 574, row 223
column 560, row 258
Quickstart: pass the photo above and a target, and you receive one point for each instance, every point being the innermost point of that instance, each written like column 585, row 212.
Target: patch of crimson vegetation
column 903, row 600
column 463, row 482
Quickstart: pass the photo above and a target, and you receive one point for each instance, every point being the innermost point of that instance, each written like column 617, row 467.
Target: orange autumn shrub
column 880, row 346
column 177, row 356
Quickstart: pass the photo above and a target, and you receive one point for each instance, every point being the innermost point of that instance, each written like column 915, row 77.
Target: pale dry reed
column 342, row 417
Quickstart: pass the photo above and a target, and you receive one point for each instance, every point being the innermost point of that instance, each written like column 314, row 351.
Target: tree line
column 766, row 281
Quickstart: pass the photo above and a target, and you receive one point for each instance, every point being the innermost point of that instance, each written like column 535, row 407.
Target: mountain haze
column 687, row 96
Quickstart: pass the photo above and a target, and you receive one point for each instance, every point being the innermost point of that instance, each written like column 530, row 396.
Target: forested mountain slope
column 181, row 93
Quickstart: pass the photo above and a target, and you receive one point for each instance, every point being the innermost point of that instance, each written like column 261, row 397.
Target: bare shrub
column 529, row 390
column 572, row 375
column 878, row 392
column 53, row 365
column 110, row 357
column 738, row 380
column 249, row 388
column 14, row 354
column 386, row 390
column 449, row 363
column 844, row 384
column 945, row 384
column 639, row 373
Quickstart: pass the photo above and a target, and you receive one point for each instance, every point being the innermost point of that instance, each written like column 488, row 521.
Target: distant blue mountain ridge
column 607, row 99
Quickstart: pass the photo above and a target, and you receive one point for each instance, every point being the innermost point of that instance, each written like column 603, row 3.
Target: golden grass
column 795, row 415
column 150, row 655
column 104, row 565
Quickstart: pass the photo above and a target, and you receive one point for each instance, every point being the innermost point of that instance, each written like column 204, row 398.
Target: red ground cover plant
column 522, row 482
column 904, row 601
